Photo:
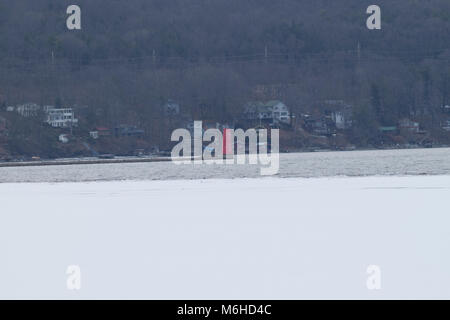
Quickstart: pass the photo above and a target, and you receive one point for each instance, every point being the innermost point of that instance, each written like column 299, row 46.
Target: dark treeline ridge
column 211, row 56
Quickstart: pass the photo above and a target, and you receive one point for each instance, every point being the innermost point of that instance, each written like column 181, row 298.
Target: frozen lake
column 264, row 238
column 315, row 164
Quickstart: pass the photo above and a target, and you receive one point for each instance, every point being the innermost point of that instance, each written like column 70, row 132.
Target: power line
column 344, row 56
column 154, row 57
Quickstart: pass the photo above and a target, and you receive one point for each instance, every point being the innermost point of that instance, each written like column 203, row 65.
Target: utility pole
column 53, row 74
column 266, row 54
column 358, row 63
column 359, row 73
column 358, row 52
column 50, row 68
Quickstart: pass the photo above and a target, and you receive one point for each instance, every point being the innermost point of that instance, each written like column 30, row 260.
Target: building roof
column 392, row 128
column 102, row 129
column 258, row 106
column 272, row 103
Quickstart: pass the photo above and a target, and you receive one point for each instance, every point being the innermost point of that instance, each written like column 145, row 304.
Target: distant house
column 342, row 118
column 445, row 125
column 93, row 134
column 339, row 119
column 128, row 131
column 60, row 118
column 340, row 111
column 257, row 111
column 214, row 125
column 10, row 108
column 28, row 109
column 388, row 129
column 280, row 111
column 64, row 138
column 409, row 125
column 100, row 132
column 271, row 112
column 210, row 125
column 103, row 131
column 171, row 108
column 46, row 108
column 206, row 125
column 318, row 125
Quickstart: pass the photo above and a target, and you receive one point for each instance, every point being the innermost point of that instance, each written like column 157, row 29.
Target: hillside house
column 341, row 113
column 343, row 118
column 318, row 125
column 128, row 131
column 57, row 118
column 214, row 125
column 100, row 132
column 280, row 111
column 64, row 138
column 28, row 109
column 408, row 125
column 94, row 134
column 60, row 118
column 388, row 129
column 445, row 125
column 271, row 112
column 171, row 108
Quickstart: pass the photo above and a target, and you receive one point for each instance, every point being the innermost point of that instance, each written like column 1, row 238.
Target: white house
column 63, row 138
column 61, row 118
column 342, row 119
column 341, row 113
column 446, row 125
column 47, row 108
column 28, row 109
column 273, row 111
column 94, row 134
column 280, row 111
column 58, row 118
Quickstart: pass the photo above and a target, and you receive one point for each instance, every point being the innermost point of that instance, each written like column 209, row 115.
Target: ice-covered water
column 308, row 165
column 227, row 239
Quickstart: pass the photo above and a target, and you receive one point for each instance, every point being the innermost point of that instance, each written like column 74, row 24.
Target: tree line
column 131, row 56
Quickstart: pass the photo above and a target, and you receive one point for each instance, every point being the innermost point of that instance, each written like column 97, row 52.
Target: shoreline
column 81, row 161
